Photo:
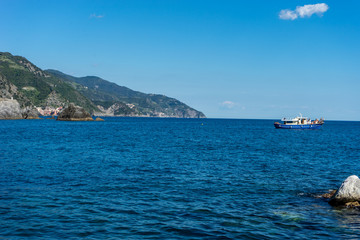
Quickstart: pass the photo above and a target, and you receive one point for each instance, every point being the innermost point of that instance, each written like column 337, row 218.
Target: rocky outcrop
column 99, row 119
column 30, row 113
column 348, row 193
column 74, row 113
column 9, row 109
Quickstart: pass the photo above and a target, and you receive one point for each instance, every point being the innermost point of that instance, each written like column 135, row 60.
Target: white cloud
column 96, row 16
column 287, row 14
column 228, row 104
column 231, row 105
column 304, row 11
column 309, row 10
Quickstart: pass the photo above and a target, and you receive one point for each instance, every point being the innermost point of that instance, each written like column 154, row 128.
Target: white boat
column 299, row 122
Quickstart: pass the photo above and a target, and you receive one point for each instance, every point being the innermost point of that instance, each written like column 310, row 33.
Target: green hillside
column 31, row 86
column 104, row 93
column 34, row 85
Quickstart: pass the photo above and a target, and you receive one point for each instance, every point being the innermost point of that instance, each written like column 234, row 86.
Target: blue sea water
column 150, row 178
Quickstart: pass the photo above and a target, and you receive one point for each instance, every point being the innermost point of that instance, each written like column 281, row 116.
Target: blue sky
column 229, row 59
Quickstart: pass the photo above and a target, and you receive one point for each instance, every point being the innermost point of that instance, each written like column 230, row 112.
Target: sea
column 154, row 178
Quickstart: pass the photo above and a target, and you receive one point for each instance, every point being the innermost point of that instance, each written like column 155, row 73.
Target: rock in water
column 74, row 113
column 349, row 191
column 9, row 109
column 99, row 119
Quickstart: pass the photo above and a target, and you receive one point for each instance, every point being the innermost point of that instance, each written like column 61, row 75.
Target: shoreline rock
column 74, row 113
column 348, row 194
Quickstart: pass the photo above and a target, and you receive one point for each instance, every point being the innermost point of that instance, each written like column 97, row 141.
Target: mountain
column 113, row 99
column 32, row 87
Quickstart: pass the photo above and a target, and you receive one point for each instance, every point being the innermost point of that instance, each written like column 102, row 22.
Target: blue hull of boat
column 301, row 126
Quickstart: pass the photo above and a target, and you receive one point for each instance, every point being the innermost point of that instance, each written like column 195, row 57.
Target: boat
column 299, row 123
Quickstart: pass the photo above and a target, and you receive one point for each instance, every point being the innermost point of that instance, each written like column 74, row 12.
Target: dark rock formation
column 74, row 113
column 349, row 192
column 9, row 109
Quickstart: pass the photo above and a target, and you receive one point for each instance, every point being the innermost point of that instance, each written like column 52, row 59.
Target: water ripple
column 134, row 178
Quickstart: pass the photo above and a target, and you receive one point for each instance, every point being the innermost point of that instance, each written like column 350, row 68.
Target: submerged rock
column 352, row 204
column 328, row 195
column 348, row 192
column 9, row 109
column 74, row 113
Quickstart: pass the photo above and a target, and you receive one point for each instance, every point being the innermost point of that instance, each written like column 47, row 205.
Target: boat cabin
column 296, row 121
